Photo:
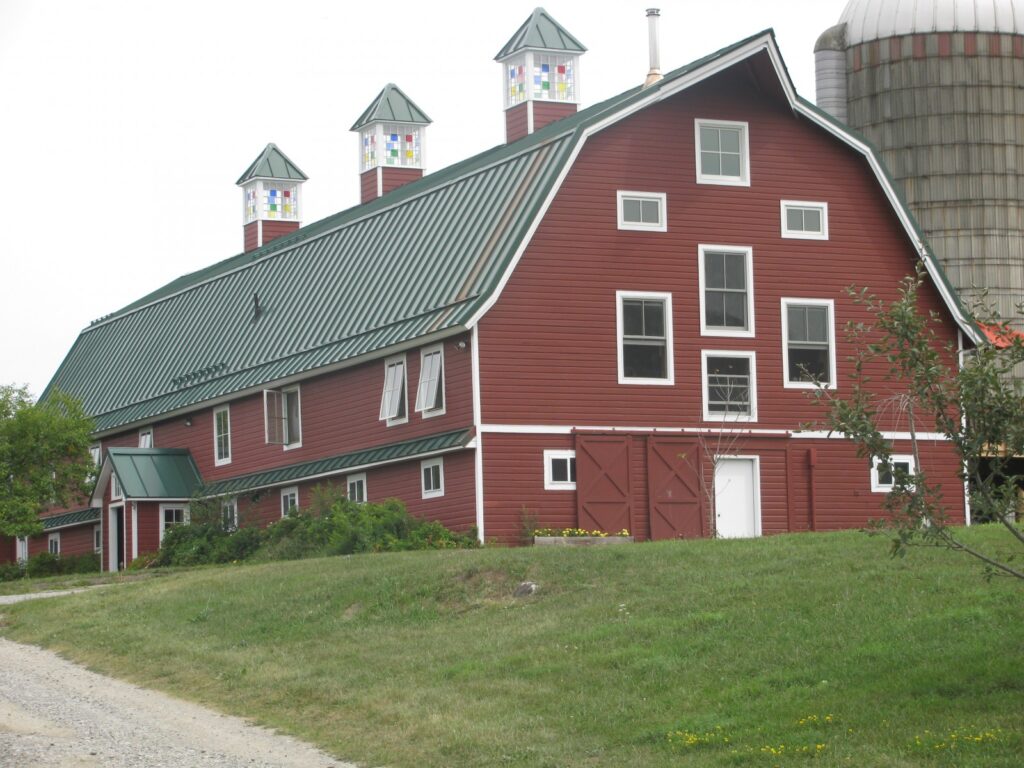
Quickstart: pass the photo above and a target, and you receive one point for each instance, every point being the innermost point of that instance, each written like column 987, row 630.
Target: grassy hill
column 790, row 650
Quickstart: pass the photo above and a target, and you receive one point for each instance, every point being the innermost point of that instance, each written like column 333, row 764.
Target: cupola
column 391, row 143
column 540, row 74
column 271, row 198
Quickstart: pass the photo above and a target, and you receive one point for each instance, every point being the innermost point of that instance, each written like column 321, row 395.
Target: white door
column 737, row 501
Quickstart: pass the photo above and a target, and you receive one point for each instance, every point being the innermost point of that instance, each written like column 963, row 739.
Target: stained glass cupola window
column 391, row 143
column 271, row 197
column 540, row 75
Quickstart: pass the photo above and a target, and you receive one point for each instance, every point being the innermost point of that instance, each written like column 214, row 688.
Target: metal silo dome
column 878, row 19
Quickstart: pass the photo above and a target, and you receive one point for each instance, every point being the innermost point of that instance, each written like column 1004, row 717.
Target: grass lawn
column 789, row 650
column 74, row 580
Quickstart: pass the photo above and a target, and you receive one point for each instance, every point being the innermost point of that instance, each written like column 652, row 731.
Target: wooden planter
column 580, row 541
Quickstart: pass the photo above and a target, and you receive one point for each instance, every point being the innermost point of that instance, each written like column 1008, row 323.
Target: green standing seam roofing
column 403, row 451
column 391, row 105
column 541, row 32
column 272, row 164
column 420, row 260
column 155, row 473
column 78, row 517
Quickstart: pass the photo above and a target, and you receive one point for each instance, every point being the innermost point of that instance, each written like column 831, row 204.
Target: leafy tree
column 44, row 457
column 978, row 406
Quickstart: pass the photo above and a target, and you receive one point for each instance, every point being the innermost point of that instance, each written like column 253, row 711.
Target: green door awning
column 153, row 473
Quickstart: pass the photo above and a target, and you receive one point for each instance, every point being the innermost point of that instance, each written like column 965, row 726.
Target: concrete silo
column 938, row 87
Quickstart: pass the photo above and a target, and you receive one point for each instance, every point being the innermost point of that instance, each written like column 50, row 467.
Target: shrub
column 43, row 564
column 11, row 571
column 87, row 563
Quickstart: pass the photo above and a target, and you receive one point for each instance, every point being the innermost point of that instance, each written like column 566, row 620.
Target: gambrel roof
column 418, row 264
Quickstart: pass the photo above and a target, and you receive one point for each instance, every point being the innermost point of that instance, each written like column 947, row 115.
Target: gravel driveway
column 56, row 714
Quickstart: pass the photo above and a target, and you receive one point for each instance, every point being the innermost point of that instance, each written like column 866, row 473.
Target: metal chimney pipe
column 653, row 14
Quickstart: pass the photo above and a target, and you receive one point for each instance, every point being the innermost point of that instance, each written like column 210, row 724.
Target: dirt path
column 56, row 714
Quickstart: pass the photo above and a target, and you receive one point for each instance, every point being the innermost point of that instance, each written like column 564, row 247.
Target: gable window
column 170, row 516
column 222, row 435
column 289, row 500
column 804, row 221
column 53, row 543
column 559, row 470
column 282, row 411
column 730, row 386
column 97, row 538
column 356, row 487
column 432, row 475
column 642, row 211
column 644, row 325
column 430, row 392
column 229, row 514
column 722, row 152
column 726, row 277
column 115, row 487
column 808, row 346
column 146, row 437
column 393, row 402
column 883, row 477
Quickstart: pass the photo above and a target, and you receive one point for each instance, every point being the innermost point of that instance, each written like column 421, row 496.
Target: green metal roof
column 78, row 517
column 380, row 455
column 418, row 261
column 272, row 164
column 392, row 106
column 542, row 32
column 155, row 473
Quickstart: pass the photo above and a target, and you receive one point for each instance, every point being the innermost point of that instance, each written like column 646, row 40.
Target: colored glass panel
column 517, row 77
column 273, row 201
column 553, row 77
column 403, row 145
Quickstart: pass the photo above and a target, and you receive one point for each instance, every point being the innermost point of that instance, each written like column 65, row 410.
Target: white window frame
column 384, row 404
column 429, row 413
column 97, row 538
column 830, row 305
column 116, row 491
column 358, row 477
column 743, row 180
column 287, row 493
column 217, row 459
column 659, row 197
column 550, row 484
column 752, row 357
column 226, row 505
column 21, row 549
column 283, row 393
column 666, row 298
column 896, row 458
column 426, row 464
column 801, row 234
column 144, row 433
column 96, row 453
column 748, row 252
column 186, row 517
column 53, row 543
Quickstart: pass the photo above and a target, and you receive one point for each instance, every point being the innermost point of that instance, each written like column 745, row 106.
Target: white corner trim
column 478, row 439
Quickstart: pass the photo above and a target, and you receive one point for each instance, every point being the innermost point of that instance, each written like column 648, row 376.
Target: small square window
column 170, row 516
column 356, row 485
column 883, row 478
column 559, row 470
column 804, row 221
column 722, row 152
column 730, row 386
column 642, row 211
column 432, row 475
column 645, row 338
column 289, row 500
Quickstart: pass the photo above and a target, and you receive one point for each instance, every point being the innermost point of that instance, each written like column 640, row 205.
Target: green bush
column 88, row 563
column 43, row 564
column 11, row 571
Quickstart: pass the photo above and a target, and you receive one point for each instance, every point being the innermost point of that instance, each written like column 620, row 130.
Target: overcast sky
column 125, row 123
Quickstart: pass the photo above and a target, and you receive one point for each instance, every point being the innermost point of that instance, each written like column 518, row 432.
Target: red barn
column 611, row 321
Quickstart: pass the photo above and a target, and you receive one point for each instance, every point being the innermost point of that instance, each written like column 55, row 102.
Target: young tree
column 978, row 406
column 44, row 457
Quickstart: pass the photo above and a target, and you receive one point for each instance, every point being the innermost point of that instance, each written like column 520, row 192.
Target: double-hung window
column 559, row 470
column 222, row 435
column 430, row 392
column 170, row 516
column 53, row 543
column 642, row 211
column 730, row 386
column 394, row 407
column 723, row 152
column 883, row 477
column 356, row 487
column 289, row 500
column 808, row 343
column 229, row 513
column 432, row 475
column 804, row 221
column 283, row 414
column 726, row 277
column 644, row 324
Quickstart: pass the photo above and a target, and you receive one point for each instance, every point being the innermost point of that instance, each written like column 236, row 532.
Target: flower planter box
column 580, row 541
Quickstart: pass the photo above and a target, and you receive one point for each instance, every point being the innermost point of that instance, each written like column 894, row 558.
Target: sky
column 125, row 123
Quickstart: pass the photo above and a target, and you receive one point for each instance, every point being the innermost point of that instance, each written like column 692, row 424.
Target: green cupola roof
column 272, row 164
column 541, row 32
column 392, row 106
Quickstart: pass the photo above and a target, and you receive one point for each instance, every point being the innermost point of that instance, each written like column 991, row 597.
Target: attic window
column 281, row 410
column 723, row 154
column 642, row 210
column 804, row 221
column 394, row 401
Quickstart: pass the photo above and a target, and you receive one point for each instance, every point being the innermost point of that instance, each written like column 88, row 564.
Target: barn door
column 673, row 487
column 603, row 497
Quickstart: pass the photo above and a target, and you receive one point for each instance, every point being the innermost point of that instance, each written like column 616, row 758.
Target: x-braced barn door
column 603, row 497
column 673, row 486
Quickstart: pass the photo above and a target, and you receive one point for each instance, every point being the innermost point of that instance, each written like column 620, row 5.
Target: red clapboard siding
column 545, row 112
column 275, row 229
column 149, row 526
column 393, row 178
column 516, row 123
column 251, row 236
column 548, row 346
column 368, row 185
